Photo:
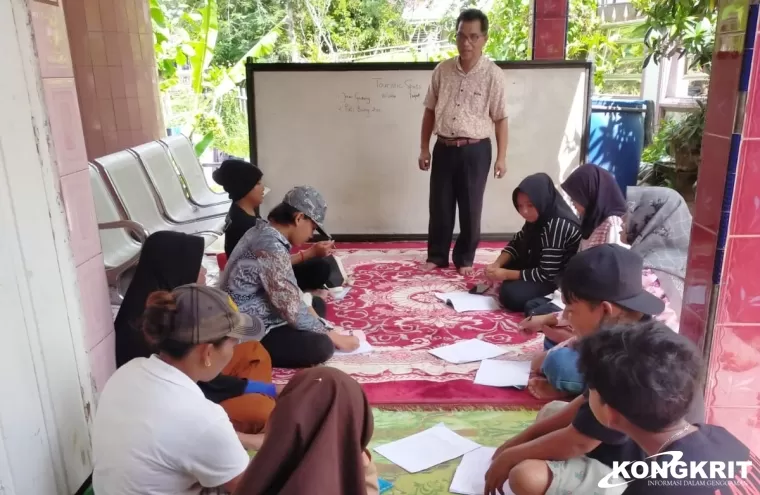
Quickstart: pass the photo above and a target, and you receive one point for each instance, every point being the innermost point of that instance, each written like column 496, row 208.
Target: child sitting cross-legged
column 567, row 450
column 600, row 284
column 642, row 378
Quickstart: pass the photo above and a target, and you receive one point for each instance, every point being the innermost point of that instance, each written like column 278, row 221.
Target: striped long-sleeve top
column 544, row 253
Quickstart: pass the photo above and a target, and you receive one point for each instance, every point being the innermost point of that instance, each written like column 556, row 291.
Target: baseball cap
column 310, row 202
column 206, row 314
column 611, row 273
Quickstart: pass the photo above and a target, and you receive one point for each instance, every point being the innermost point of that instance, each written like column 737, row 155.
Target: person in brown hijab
column 316, row 440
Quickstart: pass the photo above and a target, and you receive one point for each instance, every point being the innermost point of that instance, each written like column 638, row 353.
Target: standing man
column 464, row 102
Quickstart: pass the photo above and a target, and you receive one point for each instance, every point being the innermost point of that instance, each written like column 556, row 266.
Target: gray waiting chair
column 120, row 239
column 140, row 202
column 168, row 185
column 181, row 151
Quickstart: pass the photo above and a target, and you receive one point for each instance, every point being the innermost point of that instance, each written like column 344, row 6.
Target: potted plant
column 676, row 152
column 685, row 145
column 684, row 139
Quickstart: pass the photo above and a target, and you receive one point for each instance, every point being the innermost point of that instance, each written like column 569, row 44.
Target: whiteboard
column 353, row 133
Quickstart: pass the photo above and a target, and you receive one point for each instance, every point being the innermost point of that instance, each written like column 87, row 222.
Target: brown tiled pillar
column 550, row 29
column 115, row 70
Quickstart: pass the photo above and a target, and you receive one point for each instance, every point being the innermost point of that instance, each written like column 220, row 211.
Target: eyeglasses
column 472, row 38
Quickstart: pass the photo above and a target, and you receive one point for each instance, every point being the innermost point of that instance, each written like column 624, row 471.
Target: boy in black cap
column 605, row 285
column 567, row 450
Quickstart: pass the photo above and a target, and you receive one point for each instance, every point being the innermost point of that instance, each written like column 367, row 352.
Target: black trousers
column 458, row 178
column 540, row 306
column 312, row 274
column 515, row 295
column 292, row 348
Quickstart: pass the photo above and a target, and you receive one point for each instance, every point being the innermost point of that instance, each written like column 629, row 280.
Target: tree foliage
column 678, row 28
column 509, row 32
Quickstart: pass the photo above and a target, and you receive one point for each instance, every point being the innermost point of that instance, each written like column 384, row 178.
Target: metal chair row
column 155, row 186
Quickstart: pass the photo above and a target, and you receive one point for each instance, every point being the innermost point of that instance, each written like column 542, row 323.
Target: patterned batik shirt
column 259, row 277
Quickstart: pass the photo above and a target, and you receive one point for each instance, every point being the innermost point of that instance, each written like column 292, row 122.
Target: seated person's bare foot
column 540, row 388
column 466, row 271
column 429, row 267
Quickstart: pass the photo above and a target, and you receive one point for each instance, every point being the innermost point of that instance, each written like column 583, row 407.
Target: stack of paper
column 464, row 301
column 467, row 351
column 503, row 373
column 426, row 449
column 470, row 476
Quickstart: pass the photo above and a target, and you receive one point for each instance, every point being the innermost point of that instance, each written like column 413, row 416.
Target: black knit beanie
column 237, row 177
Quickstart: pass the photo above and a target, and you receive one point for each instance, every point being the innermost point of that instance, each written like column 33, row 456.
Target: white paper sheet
column 338, row 293
column 470, row 476
column 426, row 449
column 503, row 373
column 464, row 301
column 364, row 346
column 556, row 299
column 467, row 351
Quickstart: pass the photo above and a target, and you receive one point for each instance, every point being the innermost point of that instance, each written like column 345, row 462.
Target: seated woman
column 242, row 181
column 244, row 389
column 260, row 279
column 319, row 450
column 154, row 431
column 550, row 237
column 659, row 228
column 599, row 201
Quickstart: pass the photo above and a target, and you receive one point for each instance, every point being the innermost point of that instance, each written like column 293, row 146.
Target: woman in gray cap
column 259, row 277
column 243, row 182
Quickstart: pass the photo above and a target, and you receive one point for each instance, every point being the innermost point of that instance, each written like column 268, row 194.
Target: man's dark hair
column 645, row 371
column 283, row 214
column 469, row 15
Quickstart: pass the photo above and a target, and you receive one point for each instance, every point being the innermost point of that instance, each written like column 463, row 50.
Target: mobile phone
column 479, row 289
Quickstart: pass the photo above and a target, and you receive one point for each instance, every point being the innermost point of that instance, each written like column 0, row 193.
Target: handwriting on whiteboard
column 380, row 91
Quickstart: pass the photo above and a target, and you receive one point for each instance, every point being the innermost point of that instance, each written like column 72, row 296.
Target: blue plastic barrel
column 616, row 138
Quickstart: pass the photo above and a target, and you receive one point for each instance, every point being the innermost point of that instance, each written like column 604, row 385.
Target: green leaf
column 204, row 47
column 204, row 143
column 187, row 49
column 161, row 37
column 157, row 14
column 181, row 59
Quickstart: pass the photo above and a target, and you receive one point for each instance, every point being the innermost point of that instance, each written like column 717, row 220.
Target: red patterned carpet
column 392, row 301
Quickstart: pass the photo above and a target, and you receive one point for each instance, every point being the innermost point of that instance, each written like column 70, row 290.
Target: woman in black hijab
column 529, row 264
column 600, row 202
column 242, row 181
column 244, row 389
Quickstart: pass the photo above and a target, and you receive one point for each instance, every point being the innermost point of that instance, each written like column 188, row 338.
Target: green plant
column 659, row 150
column 186, row 35
column 672, row 160
column 678, row 28
column 684, row 137
column 508, row 37
column 587, row 40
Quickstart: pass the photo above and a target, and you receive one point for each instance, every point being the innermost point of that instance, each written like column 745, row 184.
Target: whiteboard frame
column 251, row 68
